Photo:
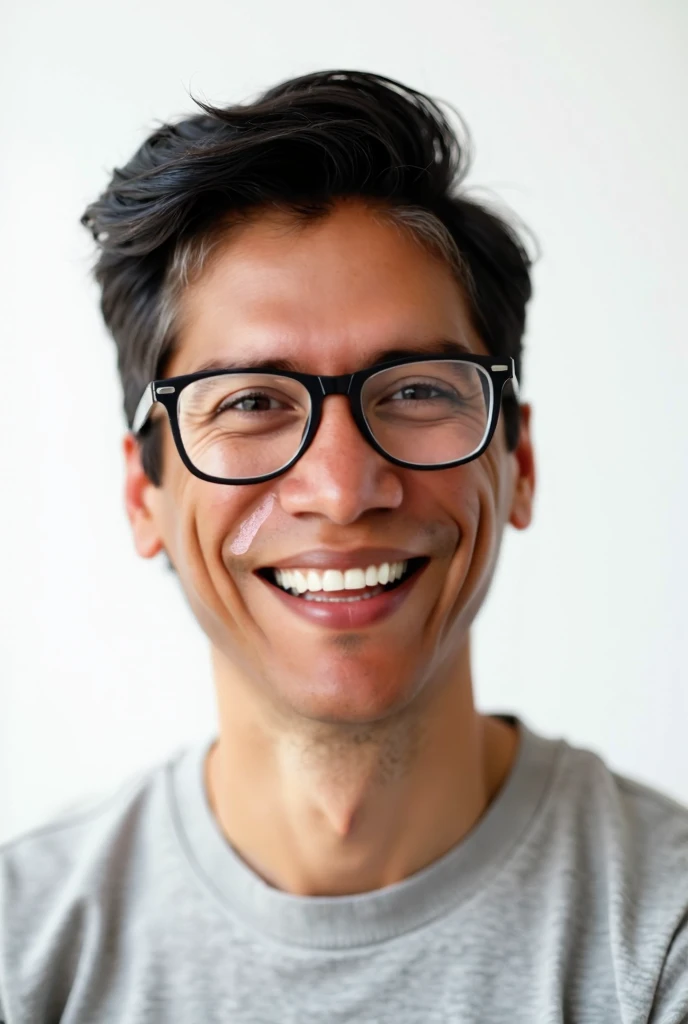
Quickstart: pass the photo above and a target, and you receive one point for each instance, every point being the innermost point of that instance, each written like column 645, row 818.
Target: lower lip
column 349, row 614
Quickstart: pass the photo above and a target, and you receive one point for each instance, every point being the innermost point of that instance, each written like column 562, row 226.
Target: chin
column 346, row 689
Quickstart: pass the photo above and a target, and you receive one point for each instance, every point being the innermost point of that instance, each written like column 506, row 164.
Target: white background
column 577, row 109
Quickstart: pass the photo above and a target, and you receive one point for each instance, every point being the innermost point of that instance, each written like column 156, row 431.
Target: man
column 319, row 342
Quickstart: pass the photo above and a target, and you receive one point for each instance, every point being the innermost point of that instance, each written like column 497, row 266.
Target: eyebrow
column 441, row 347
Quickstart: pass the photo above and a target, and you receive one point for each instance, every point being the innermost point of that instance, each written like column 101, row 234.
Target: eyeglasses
column 248, row 426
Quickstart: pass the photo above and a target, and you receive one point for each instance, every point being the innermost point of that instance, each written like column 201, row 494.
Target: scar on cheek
column 250, row 527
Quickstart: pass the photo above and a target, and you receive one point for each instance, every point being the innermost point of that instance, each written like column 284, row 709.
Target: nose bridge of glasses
column 339, row 385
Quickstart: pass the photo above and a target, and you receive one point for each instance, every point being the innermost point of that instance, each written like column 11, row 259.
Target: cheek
column 205, row 514
column 232, row 520
column 482, row 481
column 208, row 515
column 459, row 493
column 251, row 525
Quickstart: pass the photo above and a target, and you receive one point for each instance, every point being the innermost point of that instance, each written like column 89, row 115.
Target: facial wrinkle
column 203, row 594
column 480, row 564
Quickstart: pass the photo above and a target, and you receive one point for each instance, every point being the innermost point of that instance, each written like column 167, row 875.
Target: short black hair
column 301, row 146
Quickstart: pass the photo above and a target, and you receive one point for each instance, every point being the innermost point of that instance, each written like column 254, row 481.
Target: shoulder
column 626, row 843
column 74, row 841
column 60, row 882
column 633, row 821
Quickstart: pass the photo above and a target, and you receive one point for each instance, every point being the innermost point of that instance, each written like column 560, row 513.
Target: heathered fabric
column 568, row 901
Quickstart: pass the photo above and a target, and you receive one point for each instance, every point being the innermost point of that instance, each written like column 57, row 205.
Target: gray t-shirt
column 568, row 901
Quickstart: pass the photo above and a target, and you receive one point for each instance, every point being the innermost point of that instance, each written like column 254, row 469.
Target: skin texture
column 345, row 760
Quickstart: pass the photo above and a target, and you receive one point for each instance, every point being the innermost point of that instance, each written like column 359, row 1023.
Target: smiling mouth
column 333, row 586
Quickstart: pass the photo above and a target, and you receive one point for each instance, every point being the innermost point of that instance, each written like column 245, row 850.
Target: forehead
column 324, row 294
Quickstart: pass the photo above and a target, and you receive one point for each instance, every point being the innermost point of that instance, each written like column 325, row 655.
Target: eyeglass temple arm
column 143, row 409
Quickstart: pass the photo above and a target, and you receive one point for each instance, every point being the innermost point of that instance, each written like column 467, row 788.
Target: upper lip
column 321, row 558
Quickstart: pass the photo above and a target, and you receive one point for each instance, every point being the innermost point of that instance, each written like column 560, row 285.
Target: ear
column 140, row 498
column 521, row 512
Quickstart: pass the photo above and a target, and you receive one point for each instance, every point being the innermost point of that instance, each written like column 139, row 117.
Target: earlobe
column 140, row 501
column 521, row 513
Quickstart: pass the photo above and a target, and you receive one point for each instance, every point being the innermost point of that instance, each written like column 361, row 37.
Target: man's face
column 328, row 297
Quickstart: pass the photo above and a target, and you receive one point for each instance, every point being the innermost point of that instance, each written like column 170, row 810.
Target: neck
column 322, row 809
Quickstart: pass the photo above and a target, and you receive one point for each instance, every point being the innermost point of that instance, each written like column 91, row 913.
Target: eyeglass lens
column 239, row 426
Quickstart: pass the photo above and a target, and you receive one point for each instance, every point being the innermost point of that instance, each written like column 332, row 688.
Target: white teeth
column 300, row 582
column 314, row 581
column 333, row 579
column 311, row 581
column 354, row 579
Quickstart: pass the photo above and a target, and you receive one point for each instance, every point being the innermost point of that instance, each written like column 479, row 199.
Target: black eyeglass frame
column 167, row 391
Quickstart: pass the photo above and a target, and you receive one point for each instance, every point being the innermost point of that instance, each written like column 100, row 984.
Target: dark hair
column 301, row 146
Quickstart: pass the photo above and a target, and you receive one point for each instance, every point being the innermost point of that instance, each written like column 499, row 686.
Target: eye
column 417, row 393
column 255, row 402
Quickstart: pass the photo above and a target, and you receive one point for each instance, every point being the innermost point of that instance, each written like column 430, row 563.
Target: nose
column 340, row 476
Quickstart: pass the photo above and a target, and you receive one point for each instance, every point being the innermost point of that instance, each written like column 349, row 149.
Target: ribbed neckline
column 345, row 922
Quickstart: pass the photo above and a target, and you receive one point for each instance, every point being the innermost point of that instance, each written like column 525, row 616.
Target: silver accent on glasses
column 143, row 409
